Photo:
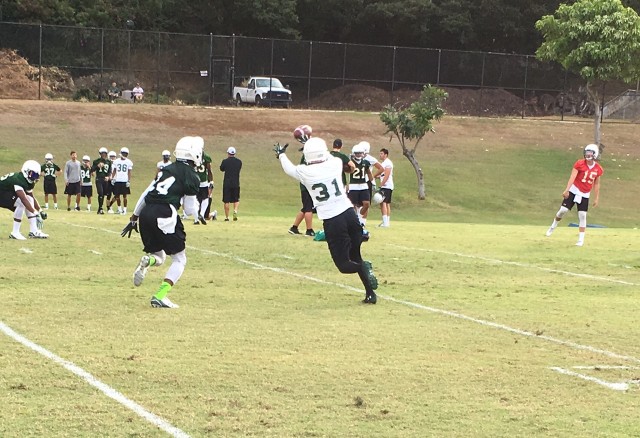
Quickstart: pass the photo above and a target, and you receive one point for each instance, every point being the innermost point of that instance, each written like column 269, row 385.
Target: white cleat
column 580, row 243
column 141, row 271
column 38, row 235
column 17, row 236
column 549, row 232
column 163, row 303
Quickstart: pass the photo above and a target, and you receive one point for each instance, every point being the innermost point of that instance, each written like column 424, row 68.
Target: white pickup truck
column 263, row 91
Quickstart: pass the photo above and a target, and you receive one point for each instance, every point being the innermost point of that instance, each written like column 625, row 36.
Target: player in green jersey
column 102, row 169
column 16, row 194
column 161, row 229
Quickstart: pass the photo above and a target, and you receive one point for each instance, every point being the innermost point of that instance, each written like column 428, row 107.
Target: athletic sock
column 163, row 290
column 152, row 260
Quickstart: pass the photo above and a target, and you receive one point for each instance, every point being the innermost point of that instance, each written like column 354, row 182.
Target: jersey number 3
column 324, row 194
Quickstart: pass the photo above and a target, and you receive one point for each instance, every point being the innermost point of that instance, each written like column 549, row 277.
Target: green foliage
column 597, row 39
column 85, row 94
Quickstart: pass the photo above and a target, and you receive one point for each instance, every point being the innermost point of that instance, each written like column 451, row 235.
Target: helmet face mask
column 112, row 155
column 103, row 151
column 315, row 151
column 124, row 152
column 166, row 154
column 31, row 171
column 591, row 152
column 358, row 152
column 48, row 157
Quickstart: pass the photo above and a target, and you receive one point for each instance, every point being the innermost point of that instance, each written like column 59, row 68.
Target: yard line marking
column 604, row 367
column 26, row 250
column 91, row 380
column 522, row 265
column 525, row 333
column 611, row 385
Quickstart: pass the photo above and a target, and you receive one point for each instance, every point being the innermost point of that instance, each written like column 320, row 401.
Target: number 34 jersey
column 172, row 183
column 324, row 183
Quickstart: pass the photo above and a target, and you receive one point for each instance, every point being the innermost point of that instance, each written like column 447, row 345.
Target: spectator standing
column 101, row 168
column 86, row 190
column 51, row 171
column 114, row 92
column 231, row 167
column 386, row 187
column 137, row 94
column 72, row 180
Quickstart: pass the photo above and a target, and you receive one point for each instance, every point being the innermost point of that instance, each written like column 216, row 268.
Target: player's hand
column 279, row 150
column 113, row 182
column 39, row 221
column 210, row 184
column 128, row 184
column 565, row 194
column 43, row 215
column 131, row 226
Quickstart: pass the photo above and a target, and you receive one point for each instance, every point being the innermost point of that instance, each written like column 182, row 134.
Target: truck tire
column 258, row 101
column 238, row 100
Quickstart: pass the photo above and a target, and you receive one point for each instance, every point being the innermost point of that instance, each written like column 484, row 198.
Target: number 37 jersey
column 172, row 183
column 323, row 182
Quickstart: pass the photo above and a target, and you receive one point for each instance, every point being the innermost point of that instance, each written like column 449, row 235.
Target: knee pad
column 582, row 217
column 563, row 210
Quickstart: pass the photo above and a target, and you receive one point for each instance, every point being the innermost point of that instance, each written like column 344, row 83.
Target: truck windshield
column 264, row 83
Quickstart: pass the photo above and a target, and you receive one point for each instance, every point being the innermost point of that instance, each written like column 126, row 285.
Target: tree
column 413, row 123
column 597, row 39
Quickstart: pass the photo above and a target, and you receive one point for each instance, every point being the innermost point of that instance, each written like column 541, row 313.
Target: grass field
column 484, row 327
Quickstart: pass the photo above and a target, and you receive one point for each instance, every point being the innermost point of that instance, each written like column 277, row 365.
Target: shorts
column 86, row 192
column 120, row 188
column 50, row 186
column 8, row 200
column 230, row 194
column 307, row 202
column 72, row 188
column 387, row 195
column 153, row 238
column 583, row 205
column 203, row 193
column 358, row 197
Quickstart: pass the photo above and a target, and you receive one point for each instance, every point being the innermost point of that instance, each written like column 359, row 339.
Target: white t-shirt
column 372, row 163
column 161, row 164
column 137, row 90
column 324, row 183
column 387, row 165
column 121, row 167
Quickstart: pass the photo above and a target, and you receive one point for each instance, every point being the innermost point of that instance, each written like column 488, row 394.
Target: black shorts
column 50, row 187
column 387, row 195
column 203, row 193
column 569, row 203
column 120, row 188
column 8, row 200
column 153, row 238
column 357, row 197
column 230, row 194
column 86, row 192
column 307, row 202
column 73, row 188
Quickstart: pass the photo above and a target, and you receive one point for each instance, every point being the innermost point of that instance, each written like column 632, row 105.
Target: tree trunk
column 597, row 117
column 416, row 167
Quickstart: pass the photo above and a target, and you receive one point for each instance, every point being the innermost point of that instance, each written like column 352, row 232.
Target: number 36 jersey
column 324, row 183
column 172, row 183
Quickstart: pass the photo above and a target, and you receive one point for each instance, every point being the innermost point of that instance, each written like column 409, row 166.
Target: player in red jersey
column 584, row 179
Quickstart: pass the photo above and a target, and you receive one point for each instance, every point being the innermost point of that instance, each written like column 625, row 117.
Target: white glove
column 113, row 182
column 39, row 221
column 128, row 184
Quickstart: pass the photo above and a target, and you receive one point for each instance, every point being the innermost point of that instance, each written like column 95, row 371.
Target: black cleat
column 294, row 230
column 370, row 299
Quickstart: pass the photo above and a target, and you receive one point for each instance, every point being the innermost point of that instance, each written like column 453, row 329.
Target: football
column 302, row 133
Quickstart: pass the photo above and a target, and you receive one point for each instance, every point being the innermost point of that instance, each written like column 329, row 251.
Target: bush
column 85, row 94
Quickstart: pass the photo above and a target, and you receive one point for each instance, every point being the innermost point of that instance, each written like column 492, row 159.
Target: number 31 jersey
column 172, row 183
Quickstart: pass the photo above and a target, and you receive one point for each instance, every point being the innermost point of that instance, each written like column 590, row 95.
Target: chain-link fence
column 74, row 62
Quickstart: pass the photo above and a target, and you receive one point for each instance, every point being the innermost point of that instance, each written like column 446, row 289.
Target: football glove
column 113, row 182
column 39, row 221
column 279, row 150
column 128, row 184
column 43, row 215
column 210, row 184
column 131, row 226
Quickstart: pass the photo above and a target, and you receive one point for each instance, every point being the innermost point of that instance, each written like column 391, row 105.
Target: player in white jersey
column 121, row 180
column 166, row 160
column 322, row 177
column 386, row 187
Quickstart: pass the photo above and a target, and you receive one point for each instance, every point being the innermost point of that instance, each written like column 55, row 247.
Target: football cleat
column 370, row 299
column 214, row 215
column 38, row 235
column 310, row 233
column 294, row 230
column 163, row 303
column 17, row 236
column 141, row 270
column 235, row 215
column 549, row 232
column 370, row 275
column 580, row 243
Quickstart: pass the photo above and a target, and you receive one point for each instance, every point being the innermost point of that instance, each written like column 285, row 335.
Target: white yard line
column 616, row 386
column 521, row 265
column 91, row 380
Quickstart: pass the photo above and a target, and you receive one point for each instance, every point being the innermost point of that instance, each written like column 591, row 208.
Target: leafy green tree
column 597, row 39
column 413, row 123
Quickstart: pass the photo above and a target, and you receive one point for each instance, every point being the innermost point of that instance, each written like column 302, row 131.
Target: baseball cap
column 231, row 150
column 337, row 143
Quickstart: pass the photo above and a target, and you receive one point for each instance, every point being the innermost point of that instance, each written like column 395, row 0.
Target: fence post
column 158, row 70
column 393, row 74
column 484, row 59
column 233, row 64
column 211, row 81
column 309, row 73
column 101, row 62
column 40, row 64
column 344, row 63
column 439, row 64
column 524, row 92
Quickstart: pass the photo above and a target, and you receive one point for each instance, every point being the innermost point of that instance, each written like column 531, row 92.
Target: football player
column 121, row 180
column 322, row 177
column 584, row 179
column 109, row 192
column 16, row 194
column 161, row 229
column 51, row 171
column 359, row 193
column 102, row 169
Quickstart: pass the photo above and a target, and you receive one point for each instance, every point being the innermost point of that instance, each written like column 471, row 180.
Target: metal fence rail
column 202, row 69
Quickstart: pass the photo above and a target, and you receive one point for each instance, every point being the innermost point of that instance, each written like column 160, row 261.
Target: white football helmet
column 594, row 149
column 86, row 158
column 103, row 150
column 124, row 151
column 315, row 150
column 189, row 149
column 48, row 157
column 366, row 147
column 31, row 170
column 166, row 154
column 112, row 155
column 358, row 152
column 377, row 198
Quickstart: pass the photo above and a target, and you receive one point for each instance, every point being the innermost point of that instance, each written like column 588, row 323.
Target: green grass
column 475, row 307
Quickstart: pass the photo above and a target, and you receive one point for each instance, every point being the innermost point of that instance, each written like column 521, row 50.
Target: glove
column 113, row 182
column 43, row 215
column 279, row 150
column 210, row 184
column 128, row 184
column 131, row 226
column 39, row 221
